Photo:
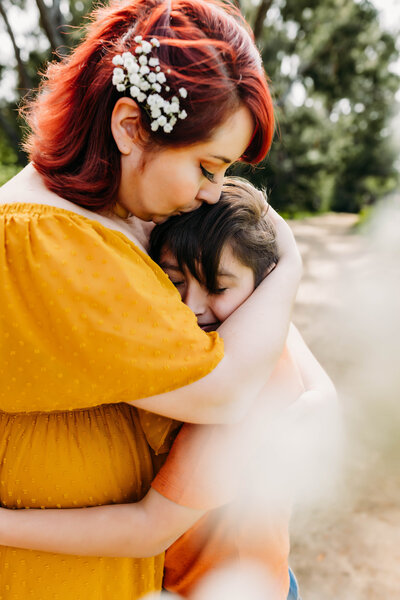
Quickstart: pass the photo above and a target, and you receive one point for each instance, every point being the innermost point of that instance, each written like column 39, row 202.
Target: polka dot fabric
column 87, row 318
column 88, row 322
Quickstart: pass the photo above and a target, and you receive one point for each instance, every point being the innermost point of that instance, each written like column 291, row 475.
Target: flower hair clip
column 147, row 83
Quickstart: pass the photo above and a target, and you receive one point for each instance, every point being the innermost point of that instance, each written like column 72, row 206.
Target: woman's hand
column 287, row 247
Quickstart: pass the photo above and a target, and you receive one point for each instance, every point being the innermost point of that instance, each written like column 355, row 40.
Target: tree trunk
column 25, row 81
column 259, row 19
column 13, row 139
column 50, row 20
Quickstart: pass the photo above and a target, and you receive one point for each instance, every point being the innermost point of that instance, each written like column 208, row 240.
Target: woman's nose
column 210, row 191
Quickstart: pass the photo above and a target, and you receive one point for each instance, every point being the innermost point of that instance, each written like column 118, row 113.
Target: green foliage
column 329, row 64
column 329, row 61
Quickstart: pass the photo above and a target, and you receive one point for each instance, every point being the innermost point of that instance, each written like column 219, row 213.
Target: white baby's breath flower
column 145, row 79
column 154, row 100
column 134, row 79
column 127, row 56
column 155, row 112
column 134, row 91
column 132, row 67
column 144, row 85
column 147, row 47
column 167, row 107
column 117, row 60
column 161, row 77
column 118, row 76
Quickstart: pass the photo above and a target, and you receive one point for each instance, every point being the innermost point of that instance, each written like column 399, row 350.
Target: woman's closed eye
column 207, row 174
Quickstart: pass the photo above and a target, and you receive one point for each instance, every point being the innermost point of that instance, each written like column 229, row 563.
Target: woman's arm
column 254, row 337
column 199, row 470
column 138, row 530
column 203, row 470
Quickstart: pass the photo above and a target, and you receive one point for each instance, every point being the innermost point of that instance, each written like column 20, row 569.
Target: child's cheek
column 225, row 305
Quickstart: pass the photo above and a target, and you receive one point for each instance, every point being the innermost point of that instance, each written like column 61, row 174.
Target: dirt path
column 349, row 549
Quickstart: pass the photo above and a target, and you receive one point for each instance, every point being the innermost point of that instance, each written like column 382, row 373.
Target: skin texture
column 235, row 281
column 190, row 175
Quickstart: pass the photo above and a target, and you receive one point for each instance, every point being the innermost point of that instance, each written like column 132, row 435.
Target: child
column 215, row 257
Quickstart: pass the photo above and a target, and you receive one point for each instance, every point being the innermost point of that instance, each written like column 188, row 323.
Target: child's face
column 235, row 281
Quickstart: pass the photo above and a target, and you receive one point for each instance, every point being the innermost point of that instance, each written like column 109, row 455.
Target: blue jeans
column 294, row 588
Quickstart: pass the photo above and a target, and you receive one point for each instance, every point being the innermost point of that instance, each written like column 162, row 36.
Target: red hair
column 207, row 47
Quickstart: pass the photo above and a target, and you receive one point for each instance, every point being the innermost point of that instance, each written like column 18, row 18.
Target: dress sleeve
column 87, row 318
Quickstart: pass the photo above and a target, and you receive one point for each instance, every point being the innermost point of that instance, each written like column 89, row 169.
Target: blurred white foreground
column 349, row 313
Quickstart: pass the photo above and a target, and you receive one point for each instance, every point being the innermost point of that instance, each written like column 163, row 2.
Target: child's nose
column 195, row 298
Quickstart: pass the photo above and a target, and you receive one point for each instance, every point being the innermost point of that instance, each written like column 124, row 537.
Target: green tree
column 329, row 61
column 53, row 36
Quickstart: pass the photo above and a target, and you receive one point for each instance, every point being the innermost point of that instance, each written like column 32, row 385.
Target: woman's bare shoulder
column 27, row 187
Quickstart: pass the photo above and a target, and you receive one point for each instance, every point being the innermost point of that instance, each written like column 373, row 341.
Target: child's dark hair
column 239, row 219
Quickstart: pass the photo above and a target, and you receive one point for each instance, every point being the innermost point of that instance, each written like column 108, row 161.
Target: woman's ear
column 126, row 125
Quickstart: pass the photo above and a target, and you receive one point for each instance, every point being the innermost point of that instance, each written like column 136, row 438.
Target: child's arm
column 319, row 391
column 139, row 530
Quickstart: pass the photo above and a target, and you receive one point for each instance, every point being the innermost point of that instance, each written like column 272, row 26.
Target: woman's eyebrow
column 222, row 158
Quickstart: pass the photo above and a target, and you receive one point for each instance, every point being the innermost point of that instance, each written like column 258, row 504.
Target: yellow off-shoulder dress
column 88, row 323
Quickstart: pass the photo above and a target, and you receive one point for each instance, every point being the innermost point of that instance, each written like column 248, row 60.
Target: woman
column 92, row 331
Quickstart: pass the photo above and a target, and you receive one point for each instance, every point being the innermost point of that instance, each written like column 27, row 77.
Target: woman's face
column 178, row 180
column 235, row 281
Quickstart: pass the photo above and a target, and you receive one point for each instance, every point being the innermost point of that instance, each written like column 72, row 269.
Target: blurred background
column 334, row 67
